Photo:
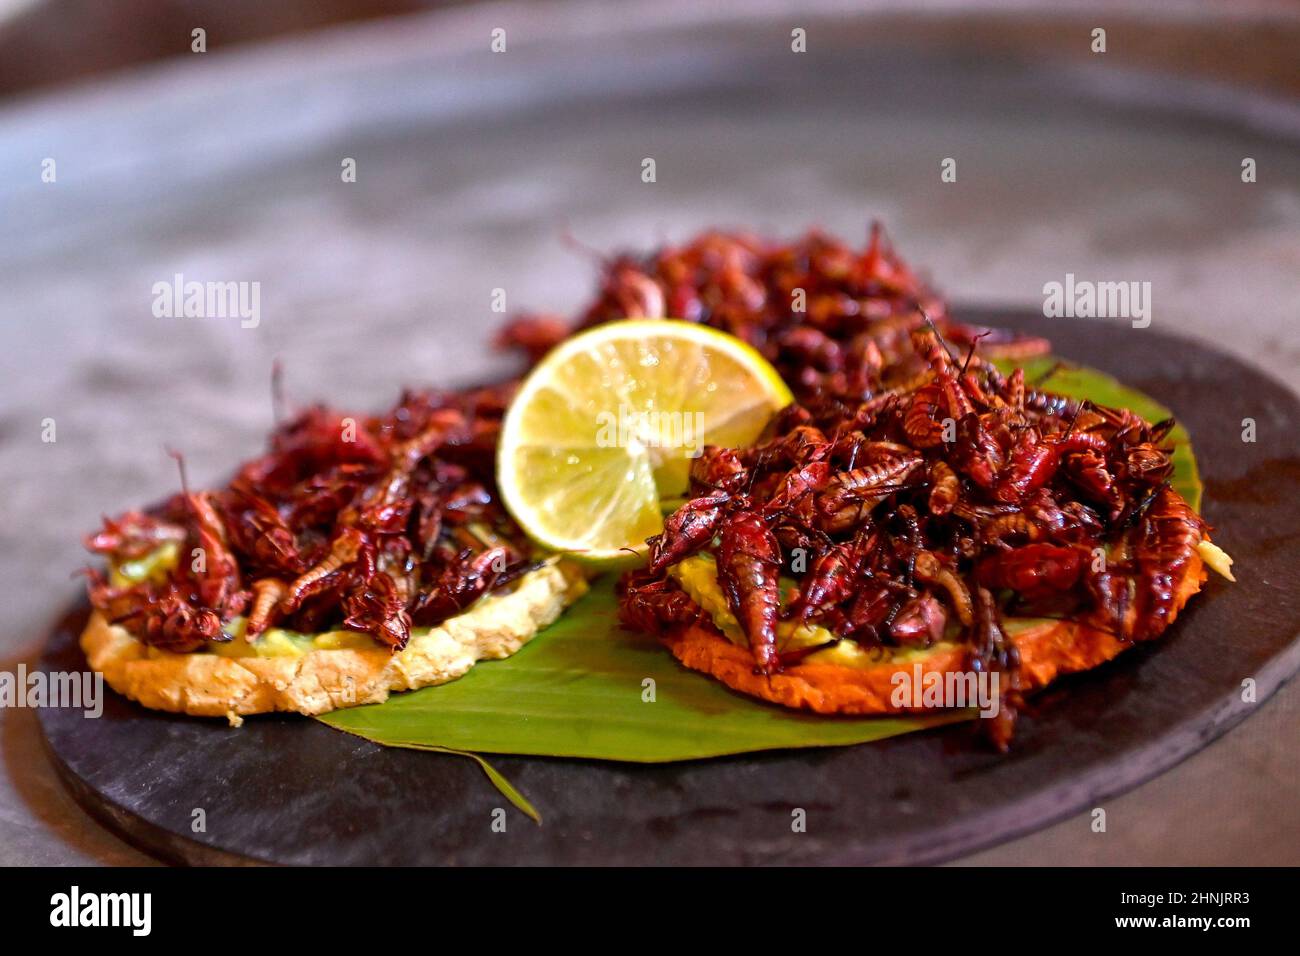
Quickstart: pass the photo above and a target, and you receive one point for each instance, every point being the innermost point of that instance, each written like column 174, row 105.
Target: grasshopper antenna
column 574, row 244
column 970, row 353
column 180, row 466
column 278, row 405
column 1049, row 373
column 935, row 329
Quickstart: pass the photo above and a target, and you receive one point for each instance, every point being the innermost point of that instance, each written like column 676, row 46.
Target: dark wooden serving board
column 289, row 790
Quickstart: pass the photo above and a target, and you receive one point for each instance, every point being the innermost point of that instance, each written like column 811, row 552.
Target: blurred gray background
column 471, row 166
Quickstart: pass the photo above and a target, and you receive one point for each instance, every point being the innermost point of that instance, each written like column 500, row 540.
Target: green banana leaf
column 585, row 688
column 1079, row 382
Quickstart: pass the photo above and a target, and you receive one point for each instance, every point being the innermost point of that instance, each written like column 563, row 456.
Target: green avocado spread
column 153, row 567
column 273, row 642
column 698, row 577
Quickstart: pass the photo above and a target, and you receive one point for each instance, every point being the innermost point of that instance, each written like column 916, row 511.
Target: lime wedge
column 605, row 427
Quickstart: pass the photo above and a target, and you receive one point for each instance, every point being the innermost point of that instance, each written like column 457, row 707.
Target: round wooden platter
column 286, row 789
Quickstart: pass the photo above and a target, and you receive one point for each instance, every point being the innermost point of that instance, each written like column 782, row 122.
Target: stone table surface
column 471, row 168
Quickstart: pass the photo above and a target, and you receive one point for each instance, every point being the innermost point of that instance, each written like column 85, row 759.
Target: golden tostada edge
column 1048, row 650
column 321, row 680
